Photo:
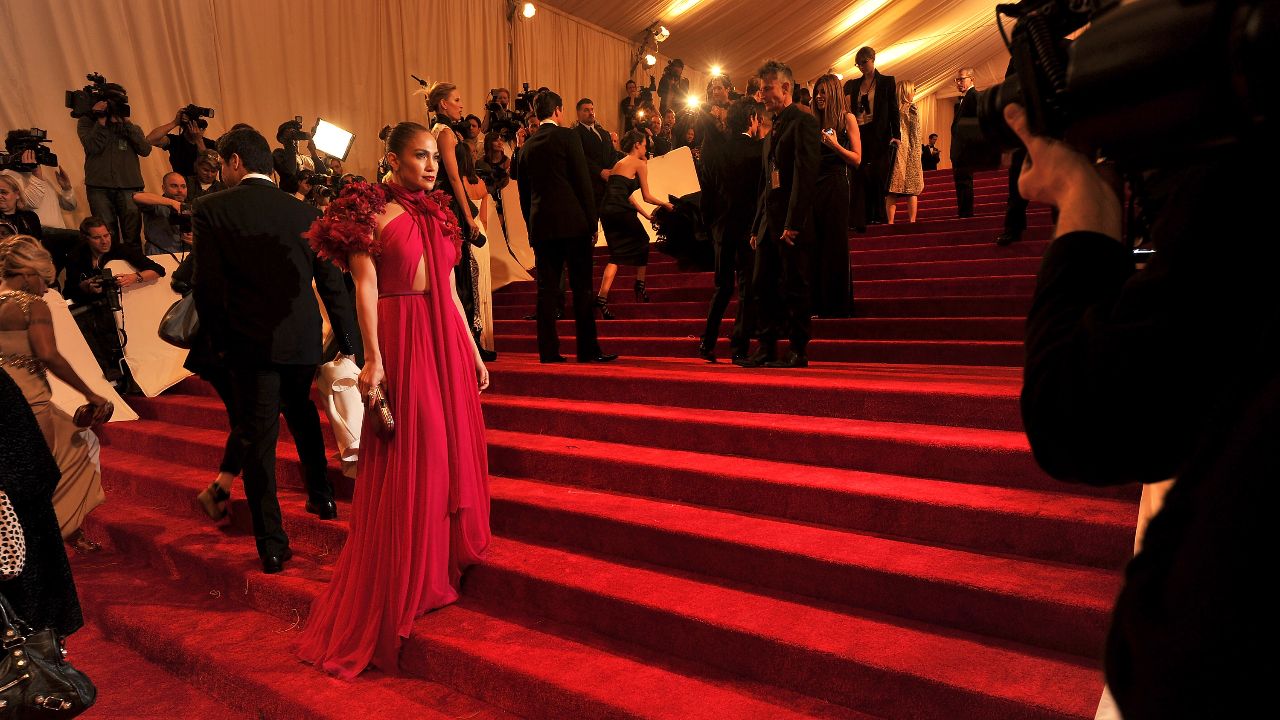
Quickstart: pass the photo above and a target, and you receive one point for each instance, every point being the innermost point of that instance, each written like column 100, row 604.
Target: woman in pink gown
column 420, row 513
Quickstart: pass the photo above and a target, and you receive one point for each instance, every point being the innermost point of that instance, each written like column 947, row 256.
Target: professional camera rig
column 505, row 121
column 18, row 142
column 193, row 112
column 81, row 101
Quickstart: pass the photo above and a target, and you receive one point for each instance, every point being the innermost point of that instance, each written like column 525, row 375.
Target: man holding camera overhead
column 186, row 144
column 112, row 146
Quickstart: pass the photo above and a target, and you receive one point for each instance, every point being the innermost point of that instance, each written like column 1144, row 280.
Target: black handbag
column 35, row 680
column 180, row 323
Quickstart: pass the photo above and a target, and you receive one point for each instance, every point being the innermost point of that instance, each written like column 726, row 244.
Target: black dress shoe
column 792, row 360
column 553, row 359
column 324, row 509
column 759, row 359
column 705, row 353
column 598, row 358
column 1008, row 238
column 272, row 564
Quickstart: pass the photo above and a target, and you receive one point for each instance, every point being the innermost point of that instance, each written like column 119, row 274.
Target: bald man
column 166, row 219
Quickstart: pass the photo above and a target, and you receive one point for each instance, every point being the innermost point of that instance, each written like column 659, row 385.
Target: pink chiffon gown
column 420, row 512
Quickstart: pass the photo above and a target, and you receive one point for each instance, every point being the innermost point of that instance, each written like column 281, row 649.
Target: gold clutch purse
column 384, row 423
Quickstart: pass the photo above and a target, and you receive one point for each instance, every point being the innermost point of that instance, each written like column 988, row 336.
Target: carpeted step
column 1048, row 605
column 915, row 287
column 858, row 660
column 1027, row 247
column 987, row 457
column 996, row 267
column 1003, row 305
column 991, row 224
column 239, row 659
column 970, row 328
column 538, row 669
column 998, row 520
column 1007, row 353
column 130, row 687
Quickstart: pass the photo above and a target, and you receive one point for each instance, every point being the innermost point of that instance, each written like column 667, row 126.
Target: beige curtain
column 254, row 61
column 577, row 60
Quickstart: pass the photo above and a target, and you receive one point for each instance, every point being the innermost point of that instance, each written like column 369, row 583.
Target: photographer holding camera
column 1168, row 371
column 187, row 144
column 289, row 161
column 167, row 217
column 41, row 194
column 95, row 290
column 112, row 174
column 674, row 86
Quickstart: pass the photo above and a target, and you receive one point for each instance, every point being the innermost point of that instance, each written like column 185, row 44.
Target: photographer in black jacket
column 112, row 174
column 1140, row 376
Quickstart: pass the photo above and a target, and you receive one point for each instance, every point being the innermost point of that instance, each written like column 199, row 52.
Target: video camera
column 1147, row 83
column 291, row 131
column 505, row 121
column 81, row 102
column 18, row 142
column 193, row 112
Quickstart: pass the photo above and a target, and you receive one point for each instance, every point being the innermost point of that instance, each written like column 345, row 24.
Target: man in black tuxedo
column 931, row 155
column 963, row 145
column 783, row 231
column 597, row 145
column 734, row 171
column 253, row 292
column 559, row 208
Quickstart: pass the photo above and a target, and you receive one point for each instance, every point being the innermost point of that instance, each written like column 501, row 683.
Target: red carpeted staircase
column 867, row 538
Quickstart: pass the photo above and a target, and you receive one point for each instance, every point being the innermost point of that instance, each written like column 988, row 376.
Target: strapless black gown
column 628, row 242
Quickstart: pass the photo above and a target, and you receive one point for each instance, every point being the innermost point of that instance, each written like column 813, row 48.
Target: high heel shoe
column 82, row 544
column 603, row 306
column 641, row 295
column 213, row 500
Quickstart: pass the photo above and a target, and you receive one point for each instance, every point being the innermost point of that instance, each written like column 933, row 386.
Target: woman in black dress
column 841, row 152
column 873, row 101
column 627, row 239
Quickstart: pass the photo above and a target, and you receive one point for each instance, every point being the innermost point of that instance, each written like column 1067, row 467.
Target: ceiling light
column 650, row 60
column 662, row 33
column 681, row 7
column 716, row 71
column 860, row 12
column 527, row 11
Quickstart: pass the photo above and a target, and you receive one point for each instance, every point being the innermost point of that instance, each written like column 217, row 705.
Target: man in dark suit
column 560, row 210
column 931, row 155
column 734, row 171
column 963, row 145
column 253, row 292
column 597, row 146
column 783, row 231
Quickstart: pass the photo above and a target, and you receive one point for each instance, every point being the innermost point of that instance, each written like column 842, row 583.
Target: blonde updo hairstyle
column 436, row 93
column 23, row 253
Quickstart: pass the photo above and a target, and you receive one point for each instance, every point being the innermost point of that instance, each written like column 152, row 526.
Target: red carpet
column 676, row 539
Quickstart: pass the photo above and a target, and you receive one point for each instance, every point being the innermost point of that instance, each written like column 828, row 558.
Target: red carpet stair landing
column 868, row 538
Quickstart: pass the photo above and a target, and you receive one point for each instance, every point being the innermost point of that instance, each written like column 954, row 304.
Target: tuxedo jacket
column 967, row 146
column 253, row 277
column 597, row 146
column 792, row 150
column 556, row 196
column 886, row 123
column 930, row 157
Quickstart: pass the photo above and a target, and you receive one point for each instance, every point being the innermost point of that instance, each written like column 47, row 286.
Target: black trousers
column 781, row 285
column 116, row 207
column 1015, row 214
column 551, row 257
column 964, row 190
column 829, row 273
column 261, row 392
column 735, row 264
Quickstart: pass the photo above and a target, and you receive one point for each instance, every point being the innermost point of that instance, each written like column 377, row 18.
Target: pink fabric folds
column 420, row 513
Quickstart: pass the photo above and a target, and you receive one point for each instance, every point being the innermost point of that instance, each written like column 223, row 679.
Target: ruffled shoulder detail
column 349, row 224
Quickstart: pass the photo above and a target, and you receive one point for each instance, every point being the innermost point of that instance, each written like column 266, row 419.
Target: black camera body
column 193, row 112
column 507, row 121
column 1147, row 84
column 181, row 220
column 18, row 142
column 110, row 288
column 81, row 101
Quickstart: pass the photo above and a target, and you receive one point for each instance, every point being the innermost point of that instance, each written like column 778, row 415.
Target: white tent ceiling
column 919, row 40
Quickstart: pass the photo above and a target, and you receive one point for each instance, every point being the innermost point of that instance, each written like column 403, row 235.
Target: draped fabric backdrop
column 265, row 61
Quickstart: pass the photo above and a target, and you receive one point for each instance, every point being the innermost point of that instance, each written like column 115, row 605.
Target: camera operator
column 24, row 221
column 1142, row 376
column 636, row 100
column 95, row 291
column 673, row 87
column 208, row 165
column 112, row 146
column 183, row 146
column 289, row 160
column 46, row 197
column 167, row 217
column 502, row 98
